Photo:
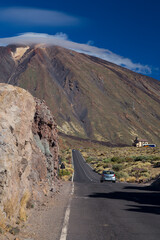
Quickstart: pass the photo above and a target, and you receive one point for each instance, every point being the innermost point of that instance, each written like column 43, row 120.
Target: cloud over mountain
column 61, row 39
column 36, row 17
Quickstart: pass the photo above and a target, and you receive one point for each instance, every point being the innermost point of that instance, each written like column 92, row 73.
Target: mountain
column 89, row 97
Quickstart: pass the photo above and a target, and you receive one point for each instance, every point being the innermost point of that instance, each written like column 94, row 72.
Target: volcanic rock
column 28, row 150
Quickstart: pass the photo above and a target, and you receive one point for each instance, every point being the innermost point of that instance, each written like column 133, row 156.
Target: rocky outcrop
column 46, row 138
column 28, row 151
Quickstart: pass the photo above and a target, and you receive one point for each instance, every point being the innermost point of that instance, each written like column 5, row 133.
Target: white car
column 108, row 176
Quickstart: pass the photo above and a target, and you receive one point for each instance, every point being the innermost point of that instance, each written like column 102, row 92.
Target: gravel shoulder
column 45, row 220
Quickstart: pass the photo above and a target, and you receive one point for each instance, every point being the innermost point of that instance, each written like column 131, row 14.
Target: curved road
column 111, row 211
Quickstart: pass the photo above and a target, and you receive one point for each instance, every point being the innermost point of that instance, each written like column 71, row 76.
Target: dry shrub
column 99, row 169
column 121, row 175
column 131, row 179
column 23, row 204
column 142, row 179
column 122, row 179
column 66, row 174
column 66, row 177
column 9, row 207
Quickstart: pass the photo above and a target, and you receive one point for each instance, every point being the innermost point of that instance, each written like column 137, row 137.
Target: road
column 111, row 211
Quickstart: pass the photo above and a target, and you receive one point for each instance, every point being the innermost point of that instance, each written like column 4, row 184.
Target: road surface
column 111, row 211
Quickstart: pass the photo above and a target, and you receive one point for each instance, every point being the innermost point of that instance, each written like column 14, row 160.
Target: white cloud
column 36, row 17
column 61, row 39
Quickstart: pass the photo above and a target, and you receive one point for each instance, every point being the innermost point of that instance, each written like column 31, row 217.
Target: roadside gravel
column 46, row 220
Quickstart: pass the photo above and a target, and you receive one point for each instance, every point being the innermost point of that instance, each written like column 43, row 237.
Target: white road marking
column 67, row 213
column 65, row 223
column 73, row 168
column 72, row 192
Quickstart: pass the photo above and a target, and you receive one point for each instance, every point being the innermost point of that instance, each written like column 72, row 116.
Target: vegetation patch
column 65, row 158
column 130, row 164
column 10, row 206
column 23, row 205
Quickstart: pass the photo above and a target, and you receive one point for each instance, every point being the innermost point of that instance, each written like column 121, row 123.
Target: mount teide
column 89, row 97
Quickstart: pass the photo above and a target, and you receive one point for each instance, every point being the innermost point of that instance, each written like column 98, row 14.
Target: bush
column 107, row 165
column 131, row 179
column 120, row 175
column 23, row 203
column 117, row 159
column 9, row 207
column 156, row 165
column 90, row 159
column 129, row 159
column 117, row 167
column 99, row 169
column 64, row 172
column 142, row 158
column 106, row 160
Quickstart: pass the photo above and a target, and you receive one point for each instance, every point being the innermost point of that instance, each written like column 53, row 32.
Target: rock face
column 28, row 150
column 45, row 136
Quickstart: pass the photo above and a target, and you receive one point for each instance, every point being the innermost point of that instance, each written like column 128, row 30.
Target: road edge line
column 64, row 231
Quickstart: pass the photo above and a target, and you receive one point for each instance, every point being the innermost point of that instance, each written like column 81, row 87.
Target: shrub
column 99, row 169
column 90, row 159
column 106, row 160
column 121, row 174
column 142, row 158
column 155, row 158
column 122, row 179
column 117, row 167
column 23, row 203
column 99, row 164
column 64, row 172
column 117, row 159
column 131, row 179
column 9, row 208
column 129, row 159
column 107, row 165
column 156, row 165
column 143, row 179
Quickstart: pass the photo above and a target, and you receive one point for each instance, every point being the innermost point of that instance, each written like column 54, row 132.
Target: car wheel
column 101, row 180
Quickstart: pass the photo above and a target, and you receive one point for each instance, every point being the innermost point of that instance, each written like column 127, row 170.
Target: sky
column 125, row 32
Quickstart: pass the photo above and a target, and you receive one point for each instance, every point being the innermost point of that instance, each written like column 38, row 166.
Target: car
column 108, row 176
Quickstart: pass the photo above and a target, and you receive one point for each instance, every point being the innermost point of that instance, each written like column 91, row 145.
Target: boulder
column 28, row 150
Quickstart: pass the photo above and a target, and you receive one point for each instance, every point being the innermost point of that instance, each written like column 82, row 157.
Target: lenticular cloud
column 61, row 39
column 36, row 17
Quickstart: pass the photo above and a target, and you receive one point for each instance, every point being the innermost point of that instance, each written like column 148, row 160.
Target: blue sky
column 126, row 32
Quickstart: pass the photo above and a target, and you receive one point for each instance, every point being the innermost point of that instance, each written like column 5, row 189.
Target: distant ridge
column 108, row 144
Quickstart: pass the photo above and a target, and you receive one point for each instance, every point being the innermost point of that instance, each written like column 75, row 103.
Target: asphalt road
column 111, row 211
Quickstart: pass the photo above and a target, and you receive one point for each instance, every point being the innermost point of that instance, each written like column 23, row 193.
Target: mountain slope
column 90, row 98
